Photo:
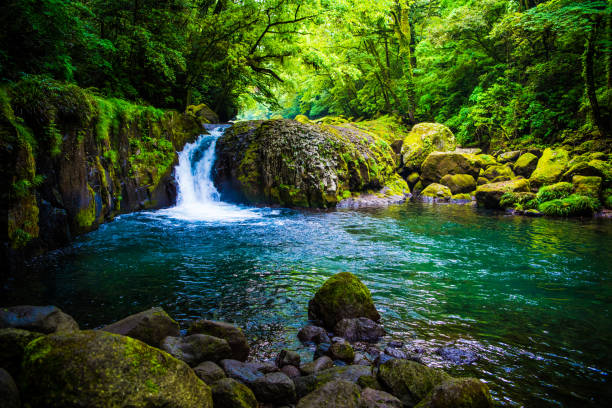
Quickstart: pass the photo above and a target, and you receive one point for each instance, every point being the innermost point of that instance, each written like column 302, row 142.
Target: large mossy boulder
column 229, row 393
column 42, row 319
column 525, row 165
column 202, row 113
column 12, row 345
column 587, row 185
column 459, row 183
column 9, row 394
column 409, row 381
column 550, row 168
column 498, row 173
column 343, row 296
column 423, row 139
column 151, row 326
column 302, row 164
column 230, row 333
column 96, row 368
column 436, row 192
column 458, row 393
column 351, row 373
column 439, row 164
column 489, row 195
column 335, row 394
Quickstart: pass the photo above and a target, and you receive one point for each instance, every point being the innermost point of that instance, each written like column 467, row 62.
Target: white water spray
column 198, row 198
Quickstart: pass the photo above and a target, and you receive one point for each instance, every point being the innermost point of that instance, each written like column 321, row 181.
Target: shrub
column 555, row 191
column 570, row 206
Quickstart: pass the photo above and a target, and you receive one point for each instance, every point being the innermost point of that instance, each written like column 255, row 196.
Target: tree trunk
column 588, row 74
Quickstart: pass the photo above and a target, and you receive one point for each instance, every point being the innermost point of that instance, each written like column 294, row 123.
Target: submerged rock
column 229, row 393
column 12, row 345
column 359, row 329
column 209, row 372
column 9, row 394
column 343, row 296
column 42, row 319
column 335, row 394
column 409, row 381
column 457, row 356
column 197, row 348
column 96, row 368
column 151, row 326
column 458, row 393
column 230, row 333
column 313, row 334
column 423, row 139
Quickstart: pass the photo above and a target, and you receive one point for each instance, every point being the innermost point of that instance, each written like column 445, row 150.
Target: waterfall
column 197, row 196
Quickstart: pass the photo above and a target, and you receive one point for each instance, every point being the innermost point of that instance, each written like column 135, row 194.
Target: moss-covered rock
column 458, row 393
column 489, row 195
column 151, row 326
column 410, row 381
column 459, row 183
column 230, row 333
column 511, row 199
column 301, row 165
column 196, row 348
column 508, row 157
column 485, row 160
column 550, row 168
column 96, row 368
column 439, row 164
column 229, row 393
column 499, row 173
column 302, row 119
column 555, row 191
column 12, row 345
column 525, row 165
column 436, row 192
column 587, row 185
column 309, row 383
column 335, row 394
column 343, row 296
column 202, row 113
column 423, row 139
column 320, row 364
column 342, row 351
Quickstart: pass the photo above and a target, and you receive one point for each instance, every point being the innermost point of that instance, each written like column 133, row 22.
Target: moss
column 423, row 139
column 554, row 191
column 461, row 197
column 502, row 173
column 87, row 216
column 458, row 393
column 459, row 183
column 438, row 191
column 574, row 205
column 550, row 167
column 587, row 185
column 510, row 199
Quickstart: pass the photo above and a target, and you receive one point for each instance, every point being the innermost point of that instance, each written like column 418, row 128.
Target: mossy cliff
column 72, row 160
column 305, row 164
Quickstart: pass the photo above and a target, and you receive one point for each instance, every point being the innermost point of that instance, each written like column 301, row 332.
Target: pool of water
column 531, row 297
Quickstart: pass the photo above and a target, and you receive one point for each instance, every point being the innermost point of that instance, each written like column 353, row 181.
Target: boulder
column 458, row 393
column 435, row 192
column 291, row 371
column 202, row 113
column 503, row 173
column 209, row 372
column 197, row 348
column 359, row 329
column 313, row 334
column 550, row 168
column 490, row 194
column 481, row 180
column 507, row 157
column 42, row 319
column 320, row 364
column 97, row 368
column 459, row 183
column 587, row 185
column 287, row 357
column 409, row 380
column 229, row 393
column 308, row 383
column 335, row 394
column 412, row 178
column 525, row 165
column 230, row 333
column 12, row 345
column 596, row 168
column 369, row 381
column 438, row 165
column 151, row 326
column 457, row 356
column 371, row 398
column 395, row 353
column 342, row 351
column 246, row 373
column 343, row 296
column 485, row 160
column 321, row 350
column 9, row 394
column 275, row 388
column 423, row 139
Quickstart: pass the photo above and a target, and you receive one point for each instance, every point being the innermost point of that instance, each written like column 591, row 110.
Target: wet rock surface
column 43, row 319
column 151, row 326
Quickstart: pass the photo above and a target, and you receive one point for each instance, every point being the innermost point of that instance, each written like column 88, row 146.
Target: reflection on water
column 531, row 297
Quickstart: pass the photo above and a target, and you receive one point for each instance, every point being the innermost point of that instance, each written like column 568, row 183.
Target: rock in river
column 43, row 319
column 232, row 334
column 359, row 329
column 313, row 333
column 197, row 348
column 458, row 393
column 151, row 326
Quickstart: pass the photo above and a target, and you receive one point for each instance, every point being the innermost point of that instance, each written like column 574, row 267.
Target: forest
column 524, row 71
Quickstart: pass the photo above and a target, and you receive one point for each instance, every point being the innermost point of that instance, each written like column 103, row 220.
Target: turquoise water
column 531, row 297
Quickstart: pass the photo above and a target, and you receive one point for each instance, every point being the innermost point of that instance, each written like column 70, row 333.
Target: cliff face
column 70, row 160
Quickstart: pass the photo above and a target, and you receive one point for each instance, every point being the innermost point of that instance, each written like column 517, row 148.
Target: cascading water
column 198, row 198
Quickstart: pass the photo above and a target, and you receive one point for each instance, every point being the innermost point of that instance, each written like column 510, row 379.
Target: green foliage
column 554, row 191
column 570, row 206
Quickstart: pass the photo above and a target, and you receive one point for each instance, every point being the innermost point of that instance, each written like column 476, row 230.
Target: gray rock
column 369, row 381
column 9, row 394
column 395, row 353
column 314, row 334
column 382, row 358
column 197, row 348
column 243, row 372
column 291, row 371
column 458, row 392
column 42, row 319
column 151, row 326
column 334, row 394
column 275, row 388
column 232, row 334
column 342, row 351
column 264, row 367
column 12, row 345
column 457, row 356
column 360, row 359
column 320, row 364
column 287, row 357
column 209, row 372
column 371, row 398
column 308, row 383
column 508, row 156
column 229, row 393
column 359, row 329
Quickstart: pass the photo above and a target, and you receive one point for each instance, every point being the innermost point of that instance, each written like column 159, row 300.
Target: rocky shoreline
column 146, row 360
